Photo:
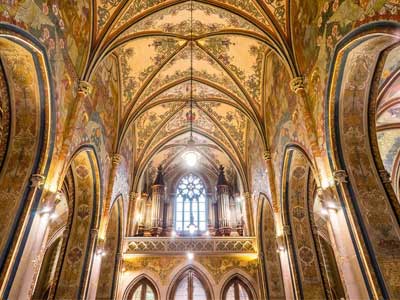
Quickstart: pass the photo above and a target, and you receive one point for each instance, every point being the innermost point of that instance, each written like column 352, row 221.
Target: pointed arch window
column 191, row 204
column 237, row 290
column 190, row 287
column 143, row 290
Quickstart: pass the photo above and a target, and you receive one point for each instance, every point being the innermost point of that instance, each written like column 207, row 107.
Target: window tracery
column 143, row 290
column 191, row 204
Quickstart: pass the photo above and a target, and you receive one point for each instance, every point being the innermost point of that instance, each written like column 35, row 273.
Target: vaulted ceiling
column 166, row 48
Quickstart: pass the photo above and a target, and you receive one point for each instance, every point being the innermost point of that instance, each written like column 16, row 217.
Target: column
column 29, row 266
column 115, row 162
column 285, row 266
column 249, row 213
column 224, row 224
column 343, row 246
column 84, row 90
column 271, row 180
column 297, row 86
column 133, row 196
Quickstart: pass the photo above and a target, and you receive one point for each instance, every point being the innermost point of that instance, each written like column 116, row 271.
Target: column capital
column 85, row 88
column 297, row 84
column 133, row 196
column 340, row 176
column 37, row 180
column 267, row 155
column 116, row 159
column 247, row 195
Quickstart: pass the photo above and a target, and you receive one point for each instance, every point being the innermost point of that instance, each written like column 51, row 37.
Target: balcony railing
column 177, row 245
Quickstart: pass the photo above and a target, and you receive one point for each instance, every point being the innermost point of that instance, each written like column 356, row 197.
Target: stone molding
column 210, row 245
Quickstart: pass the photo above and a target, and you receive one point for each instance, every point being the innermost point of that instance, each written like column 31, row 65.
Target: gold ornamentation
column 85, row 88
column 116, row 159
column 297, row 84
column 267, row 155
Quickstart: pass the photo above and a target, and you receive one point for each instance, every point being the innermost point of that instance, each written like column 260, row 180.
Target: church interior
column 199, row 150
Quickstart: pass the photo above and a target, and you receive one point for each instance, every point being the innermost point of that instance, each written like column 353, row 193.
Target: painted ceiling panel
column 244, row 58
column 150, row 121
column 174, row 52
column 105, row 10
column 177, row 20
column 230, row 118
column 140, row 59
column 138, row 8
column 204, row 67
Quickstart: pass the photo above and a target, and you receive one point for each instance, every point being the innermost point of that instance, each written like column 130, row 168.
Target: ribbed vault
column 172, row 52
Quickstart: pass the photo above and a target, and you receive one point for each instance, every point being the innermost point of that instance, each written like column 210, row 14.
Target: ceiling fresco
column 173, row 53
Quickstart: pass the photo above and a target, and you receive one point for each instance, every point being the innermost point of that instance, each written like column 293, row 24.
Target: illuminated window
column 237, row 290
column 190, row 287
column 143, row 290
column 191, row 204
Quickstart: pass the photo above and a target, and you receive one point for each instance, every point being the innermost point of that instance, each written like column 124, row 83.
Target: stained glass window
column 191, row 204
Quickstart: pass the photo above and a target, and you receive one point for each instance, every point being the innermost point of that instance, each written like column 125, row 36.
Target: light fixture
column 190, row 157
column 53, row 216
column 190, row 255
column 101, row 252
column 207, row 233
column 173, row 233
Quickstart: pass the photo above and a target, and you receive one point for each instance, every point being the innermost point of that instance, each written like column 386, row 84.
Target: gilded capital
column 37, row 180
column 85, row 88
column 267, row 155
column 297, row 84
column 133, row 196
column 116, row 159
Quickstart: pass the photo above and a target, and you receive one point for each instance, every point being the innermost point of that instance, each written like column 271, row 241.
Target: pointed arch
column 273, row 279
column 306, row 268
column 28, row 122
column 189, row 273
column 137, row 282
column 364, row 188
column 238, row 282
column 81, row 185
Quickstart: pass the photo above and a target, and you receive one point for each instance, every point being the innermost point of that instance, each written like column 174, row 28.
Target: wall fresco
column 22, row 150
column 302, row 244
column 5, row 114
column 376, row 214
column 78, row 252
column 271, row 256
